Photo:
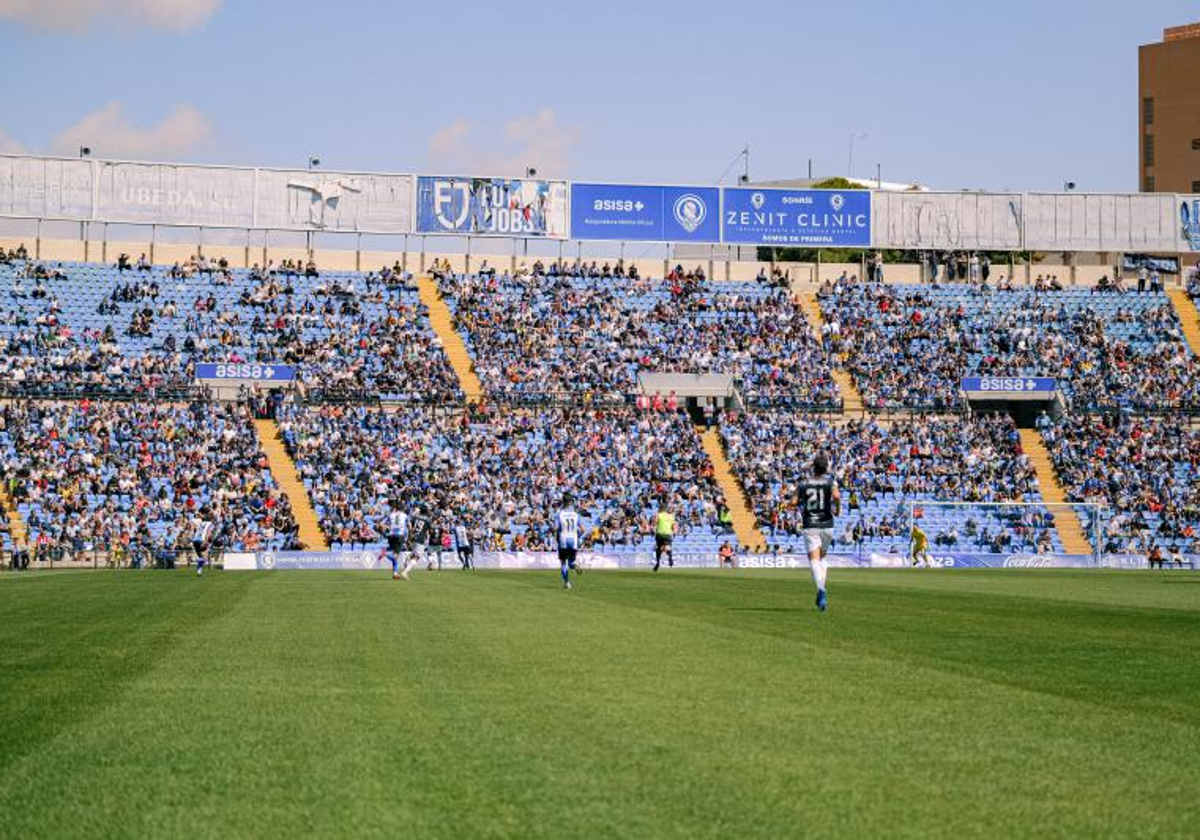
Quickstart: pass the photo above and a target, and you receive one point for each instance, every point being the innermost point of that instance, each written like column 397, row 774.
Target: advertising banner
column 247, row 371
column 370, row 560
column 1189, row 222
column 947, row 221
column 514, row 207
column 333, row 201
column 806, row 218
column 1010, row 384
column 634, row 212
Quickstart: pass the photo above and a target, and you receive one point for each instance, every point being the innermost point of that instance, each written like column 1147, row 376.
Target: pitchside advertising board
column 637, row 212
column 808, row 218
column 513, row 207
column 548, row 561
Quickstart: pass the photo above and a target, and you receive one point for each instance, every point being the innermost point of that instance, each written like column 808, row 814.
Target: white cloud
column 81, row 15
column 110, row 133
column 536, row 140
column 8, row 144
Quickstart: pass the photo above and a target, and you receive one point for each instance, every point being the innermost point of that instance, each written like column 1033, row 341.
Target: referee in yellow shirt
column 664, row 533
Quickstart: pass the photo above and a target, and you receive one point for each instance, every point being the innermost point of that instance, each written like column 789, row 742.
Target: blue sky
column 1018, row 95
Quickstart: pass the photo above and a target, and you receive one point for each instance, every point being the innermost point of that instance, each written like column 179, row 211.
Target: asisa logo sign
column 492, row 207
column 632, row 212
column 796, row 217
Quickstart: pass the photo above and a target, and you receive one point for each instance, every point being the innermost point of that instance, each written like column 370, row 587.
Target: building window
column 1147, row 110
column 1148, row 153
column 1148, row 184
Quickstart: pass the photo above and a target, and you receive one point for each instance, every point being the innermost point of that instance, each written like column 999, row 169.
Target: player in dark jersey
column 820, row 502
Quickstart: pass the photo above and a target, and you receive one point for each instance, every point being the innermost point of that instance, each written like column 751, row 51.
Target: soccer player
column 567, row 529
column 920, row 547
column 462, row 544
column 202, row 534
column 397, row 536
column 820, row 502
column 664, row 534
column 419, row 529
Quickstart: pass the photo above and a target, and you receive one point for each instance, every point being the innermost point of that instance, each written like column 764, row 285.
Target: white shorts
column 818, row 539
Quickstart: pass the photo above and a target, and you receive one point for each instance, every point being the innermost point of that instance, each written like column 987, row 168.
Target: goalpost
column 1050, row 529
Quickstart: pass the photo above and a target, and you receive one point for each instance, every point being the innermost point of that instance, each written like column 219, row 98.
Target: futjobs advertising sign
column 808, row 218
column 513, row 207
column 638, row 212
column 1189, row 217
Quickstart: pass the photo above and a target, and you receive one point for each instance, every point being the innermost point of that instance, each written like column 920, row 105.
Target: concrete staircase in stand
column 452, row 343
column 852, row 401
column 283, row 470
column 744, row 523
column 1070, row 531
column 16, row 525
column 1189, row 317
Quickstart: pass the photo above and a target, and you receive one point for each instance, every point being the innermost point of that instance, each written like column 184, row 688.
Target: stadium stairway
column 852, row 402
column 1189, row 317
column 283, row 469
column 16, row 525
column 744, row 524
column 452, row 343
column 1070, row 532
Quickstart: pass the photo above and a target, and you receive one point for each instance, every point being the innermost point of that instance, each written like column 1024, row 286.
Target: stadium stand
column 910, row 346
column 77, row 328
column 98, row 475
column 503, row 472
column 1146, row 471
column 882, row 468
column 124, row 478
column 548, row 333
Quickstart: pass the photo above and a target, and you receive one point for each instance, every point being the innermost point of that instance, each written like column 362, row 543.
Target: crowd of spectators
column 545, row 333
column 882, row 468
column 911, row 346
column 131, row 479
column 502, row 473
column 106, row 331
column 1144, row 471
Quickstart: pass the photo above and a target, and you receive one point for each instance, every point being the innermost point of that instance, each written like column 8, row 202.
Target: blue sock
column 393, row 559
column 566, row 571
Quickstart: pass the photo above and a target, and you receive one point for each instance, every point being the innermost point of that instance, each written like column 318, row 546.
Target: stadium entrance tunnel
column 1024, row 411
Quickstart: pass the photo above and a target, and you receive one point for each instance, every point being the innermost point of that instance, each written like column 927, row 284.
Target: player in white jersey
column 462, row 545
column 566, row 526
column 203, row 530
column 397, row 537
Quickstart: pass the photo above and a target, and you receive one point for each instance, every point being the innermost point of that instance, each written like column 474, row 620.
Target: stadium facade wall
column 69, row 250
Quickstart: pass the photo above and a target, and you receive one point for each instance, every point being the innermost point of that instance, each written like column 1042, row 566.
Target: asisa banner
column 513, row 207
column 637, row 212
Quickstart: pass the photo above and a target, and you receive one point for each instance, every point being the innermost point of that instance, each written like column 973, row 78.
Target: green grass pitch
column 683, row 704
